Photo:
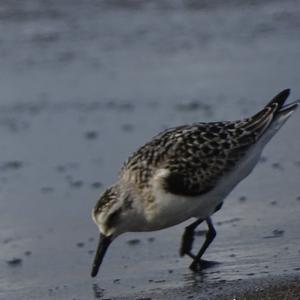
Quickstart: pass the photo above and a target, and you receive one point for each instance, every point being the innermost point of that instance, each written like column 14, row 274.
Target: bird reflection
column 98, row 292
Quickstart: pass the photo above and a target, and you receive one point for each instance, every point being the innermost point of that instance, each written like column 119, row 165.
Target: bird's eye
column 112, row 220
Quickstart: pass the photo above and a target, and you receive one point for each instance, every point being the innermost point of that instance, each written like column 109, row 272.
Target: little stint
column 185, row 172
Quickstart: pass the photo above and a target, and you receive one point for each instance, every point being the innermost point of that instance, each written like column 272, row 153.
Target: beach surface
column 85, row 83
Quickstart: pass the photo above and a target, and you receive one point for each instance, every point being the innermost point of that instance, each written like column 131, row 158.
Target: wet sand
column 273, row 288
column 83, row 84
column 284, row 289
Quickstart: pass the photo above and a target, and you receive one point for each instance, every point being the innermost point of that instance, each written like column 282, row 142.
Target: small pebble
column 242, row 198
column 80, row 244
column 194, row 105
column 11, row 165
column 76, row 183
column 7, row 240
column 27, row 253
column 60, row 169
column 14, row 262
column 91, row 135
column 278, row 232
column 151, row 239
column 159, row 281
column 133, row 242
column 230, row 221
column 277, row 166
column 96, row 185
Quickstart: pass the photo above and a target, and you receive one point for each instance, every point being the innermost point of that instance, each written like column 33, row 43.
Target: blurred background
column 84, row 83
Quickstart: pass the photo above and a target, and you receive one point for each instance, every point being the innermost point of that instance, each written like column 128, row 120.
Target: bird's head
column 111, row 215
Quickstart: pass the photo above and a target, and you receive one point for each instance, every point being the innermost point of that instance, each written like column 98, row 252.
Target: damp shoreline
column 83, row 84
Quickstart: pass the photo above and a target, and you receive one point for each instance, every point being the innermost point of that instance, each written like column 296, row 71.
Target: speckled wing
column 209, row 151
column 204, row 155
column 198, row 155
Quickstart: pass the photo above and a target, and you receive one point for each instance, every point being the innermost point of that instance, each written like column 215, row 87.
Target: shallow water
column 83, row 84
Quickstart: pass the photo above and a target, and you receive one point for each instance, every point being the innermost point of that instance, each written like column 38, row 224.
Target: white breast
column 169, row 209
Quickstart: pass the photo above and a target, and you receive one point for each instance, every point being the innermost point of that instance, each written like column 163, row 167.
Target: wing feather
column 198, row 155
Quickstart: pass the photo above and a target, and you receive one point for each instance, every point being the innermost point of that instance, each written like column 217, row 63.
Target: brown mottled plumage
column 185, row 172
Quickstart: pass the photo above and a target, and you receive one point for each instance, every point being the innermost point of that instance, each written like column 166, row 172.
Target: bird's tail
column 268, row 121
column 275, row 114
column 282, row 112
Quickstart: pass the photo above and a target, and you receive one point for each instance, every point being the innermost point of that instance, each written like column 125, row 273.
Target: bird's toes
column 195, row 266
column 198, row 265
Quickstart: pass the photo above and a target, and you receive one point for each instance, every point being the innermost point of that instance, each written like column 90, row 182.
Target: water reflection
column 97, row 291
column 209, row 273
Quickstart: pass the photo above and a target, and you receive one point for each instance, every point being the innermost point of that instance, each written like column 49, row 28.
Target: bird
column 185, row 173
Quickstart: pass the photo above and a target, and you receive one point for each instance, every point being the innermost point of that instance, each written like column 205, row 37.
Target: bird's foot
column 198, row 265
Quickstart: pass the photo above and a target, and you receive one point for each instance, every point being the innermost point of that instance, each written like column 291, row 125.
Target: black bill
column 104, row 242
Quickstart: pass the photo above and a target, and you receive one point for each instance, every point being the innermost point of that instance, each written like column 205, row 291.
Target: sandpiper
column 185, row 172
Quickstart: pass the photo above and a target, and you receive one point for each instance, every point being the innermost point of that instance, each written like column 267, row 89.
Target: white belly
column 169, row 209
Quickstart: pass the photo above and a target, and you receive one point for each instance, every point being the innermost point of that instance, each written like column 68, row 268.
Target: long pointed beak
column 103, row 244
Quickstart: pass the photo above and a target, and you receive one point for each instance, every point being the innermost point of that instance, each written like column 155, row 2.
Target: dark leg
column 211, row 234
column 188, row 239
